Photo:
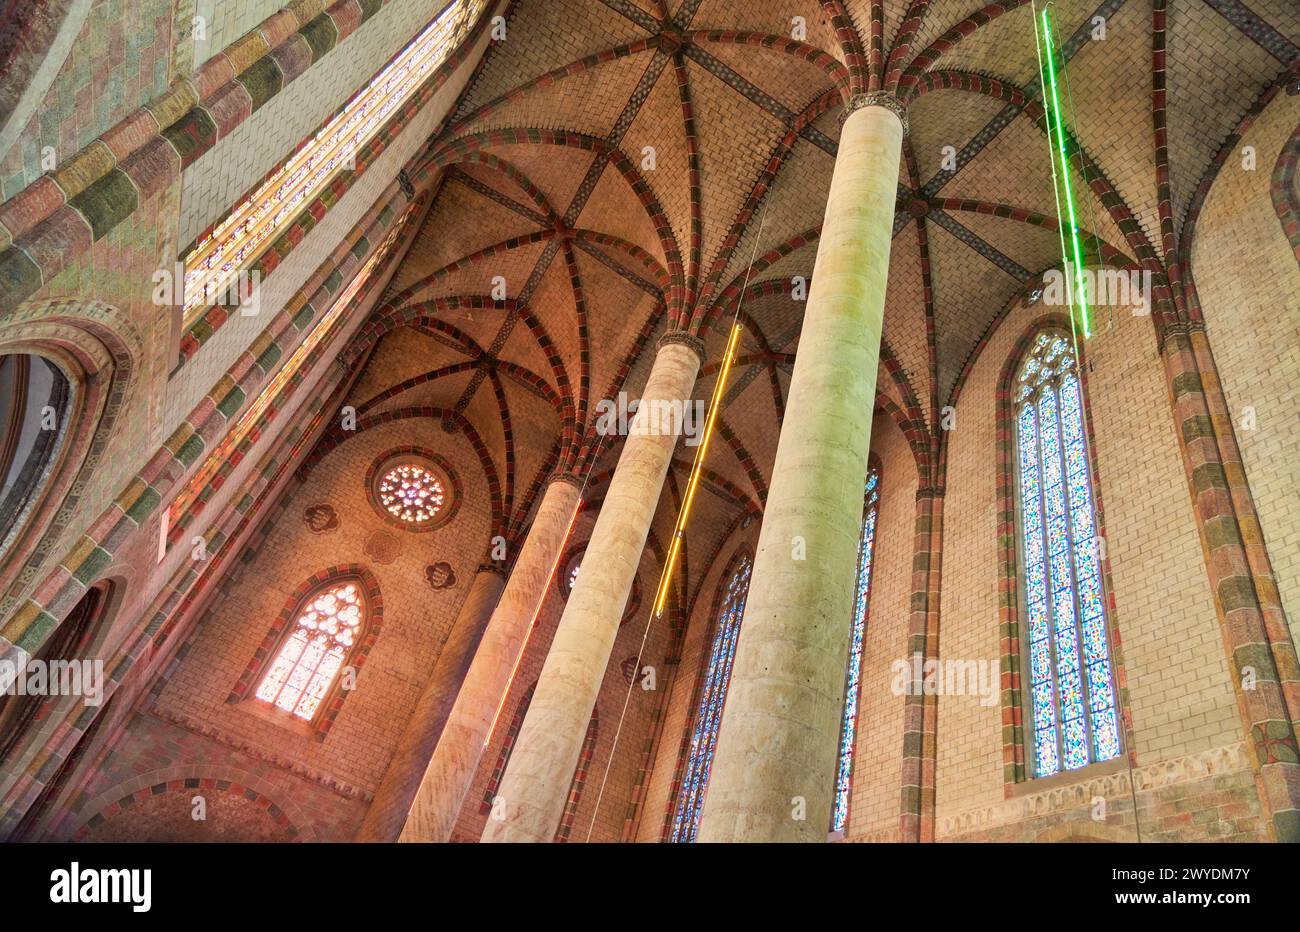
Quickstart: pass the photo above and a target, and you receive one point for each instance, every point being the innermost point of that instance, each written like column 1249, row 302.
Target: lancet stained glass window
column 704, row 737
column 1073, row 715
column 323, row 635
column 853, row 678
column 217, row 258
column 272, row 396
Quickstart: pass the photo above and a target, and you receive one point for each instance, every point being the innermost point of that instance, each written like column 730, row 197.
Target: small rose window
column 411, row 493
column 413, row 488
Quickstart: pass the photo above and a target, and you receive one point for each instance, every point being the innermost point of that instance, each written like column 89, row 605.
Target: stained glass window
column 274, row 394
column 326, row 629
column 1073, row 716
column 411, row 493
column 708, row 715
column 853, row 678
column 217, row 258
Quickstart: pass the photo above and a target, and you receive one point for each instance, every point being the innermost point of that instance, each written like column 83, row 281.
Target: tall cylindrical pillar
column 774, row 768
column 387, row 813
column 451, row 769
column 541, row 765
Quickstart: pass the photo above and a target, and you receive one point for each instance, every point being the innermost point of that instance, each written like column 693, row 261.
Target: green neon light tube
column 1050, row 88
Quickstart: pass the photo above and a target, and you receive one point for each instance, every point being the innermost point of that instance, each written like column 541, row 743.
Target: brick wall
column 89, row 95
column 352, row 758
column 144, row 790
column 1251, row 322
column 1171, row 648
column 874, row 799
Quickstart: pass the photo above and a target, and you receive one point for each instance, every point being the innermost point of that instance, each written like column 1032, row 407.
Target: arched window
column 212, row 264
column 35, row 403
column 566, row 576
column 326, row 628
column 853, row 678
column 69, row 643
column 713, row 693
column 1073, row 717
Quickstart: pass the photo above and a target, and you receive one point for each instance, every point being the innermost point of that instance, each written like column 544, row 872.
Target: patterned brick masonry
column 1261, row 656
column 57, row 218
column 920, row 712
column 27, row 628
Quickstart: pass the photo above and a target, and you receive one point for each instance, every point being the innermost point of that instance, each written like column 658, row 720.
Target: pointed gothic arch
column 1060, row 642
column 341, row 629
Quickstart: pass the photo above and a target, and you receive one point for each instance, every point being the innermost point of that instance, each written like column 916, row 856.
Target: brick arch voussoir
column 519, row 177
column 550, row 79
column 1286, row 198
column 411, row 294
column 648, row 262
column 902, row 47
column 179, row 780
column 97, row 348
column 1107, row 252
column 851, row 46
column 458, row 149
column 909, row 417
column 415, row 381
column 949, row 40
column 957, row 79
column 587, row 444
column 838, row 72
column 744, row 458
column 729, row 300
column 390, row 317
column 767, row 176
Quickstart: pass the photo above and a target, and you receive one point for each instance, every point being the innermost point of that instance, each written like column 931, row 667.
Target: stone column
column 450, row 771
column 545, row 754
column 920, row 712
column 775, row 763
column 387, row 813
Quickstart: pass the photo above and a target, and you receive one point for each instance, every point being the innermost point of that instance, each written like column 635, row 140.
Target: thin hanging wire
column 1128, row 750
column 1057, row 181
column 651, row 616
column 1089, row 200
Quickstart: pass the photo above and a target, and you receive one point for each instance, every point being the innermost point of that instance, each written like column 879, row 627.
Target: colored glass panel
column 1073, row 712
column 411, row 493
column 212, row 265
column 708, row 715
column 853, row 678
column 311, row 656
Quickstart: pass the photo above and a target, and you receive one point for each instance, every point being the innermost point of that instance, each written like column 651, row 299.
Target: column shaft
column 451, row 769
column 387, row 813
column 773, row 771
column 541, row 765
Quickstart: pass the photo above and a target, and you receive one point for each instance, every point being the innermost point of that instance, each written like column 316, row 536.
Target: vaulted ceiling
column 615, row 166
